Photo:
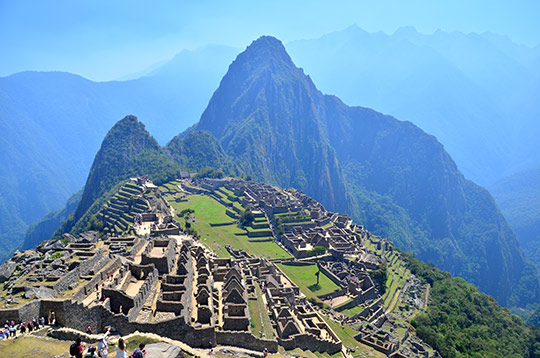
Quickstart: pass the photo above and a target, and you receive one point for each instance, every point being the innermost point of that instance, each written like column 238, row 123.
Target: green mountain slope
column 255, row 115
column 462, row 322
column 199, row 149
column 127, row 151
column 47, row 226
column 399, row 181
column 518, row 197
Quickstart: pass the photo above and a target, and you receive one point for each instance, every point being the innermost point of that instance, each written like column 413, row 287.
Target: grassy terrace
column 304, row 277
column 33, row 347
column 353, row 311
column 208, row 210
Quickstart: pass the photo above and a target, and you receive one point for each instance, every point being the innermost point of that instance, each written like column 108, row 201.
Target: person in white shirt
column 102, row 344
column 120, row 349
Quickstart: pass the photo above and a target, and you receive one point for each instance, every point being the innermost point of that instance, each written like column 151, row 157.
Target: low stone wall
column 263, row 225
column 330, row 275
column 222, row 224
column 245, row 340
column 311, row 343
column 231, row 214
column 259, row 233
column 336, row 293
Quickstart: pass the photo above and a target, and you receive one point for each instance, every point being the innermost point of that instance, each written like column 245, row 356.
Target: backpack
column 73, row 349
column 137, row 353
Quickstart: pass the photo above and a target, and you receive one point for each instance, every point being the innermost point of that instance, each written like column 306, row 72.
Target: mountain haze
column 53, row 124
column 472, row 91
column 519, row 199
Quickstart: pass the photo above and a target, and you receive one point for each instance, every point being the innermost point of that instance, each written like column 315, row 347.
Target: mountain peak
column 266, row 52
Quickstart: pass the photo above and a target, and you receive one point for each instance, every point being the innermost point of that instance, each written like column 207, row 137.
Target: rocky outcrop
column 163, row 350
column 6, row 270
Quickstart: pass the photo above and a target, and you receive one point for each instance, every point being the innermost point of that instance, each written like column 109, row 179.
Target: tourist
column 12, row 330
column 139, row 352
column 102, row 344
column 42, row 320
column 2, row 337
column 91, row 352
column 76, row 349
column 120, row 349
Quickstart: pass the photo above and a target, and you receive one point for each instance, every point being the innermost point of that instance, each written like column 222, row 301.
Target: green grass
column 256, row 323
column 353, row 311
column 33, row 347
column 267, row 324
column 134, row 341
column 208, row 210
column 304, row 277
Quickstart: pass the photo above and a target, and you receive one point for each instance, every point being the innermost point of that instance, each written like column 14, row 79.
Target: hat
column 100, row 338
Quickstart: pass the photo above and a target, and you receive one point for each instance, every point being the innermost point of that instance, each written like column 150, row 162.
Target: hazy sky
column 104, row 40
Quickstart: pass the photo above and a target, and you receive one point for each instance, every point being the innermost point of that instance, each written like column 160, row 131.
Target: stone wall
column 330, row 275
column 246, row 340
column 136, row 248
column 311, row 343
column 98, row 279
column 259, row 233
column 165, row 263
column 86, row 267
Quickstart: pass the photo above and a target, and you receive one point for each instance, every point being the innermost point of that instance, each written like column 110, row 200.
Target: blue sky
column 104, row 40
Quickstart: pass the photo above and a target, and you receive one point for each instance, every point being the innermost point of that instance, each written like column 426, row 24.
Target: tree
column 246, row 218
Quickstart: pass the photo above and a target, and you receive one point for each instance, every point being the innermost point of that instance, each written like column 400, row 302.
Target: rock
column 38, row 292
column 163, row 350
column 69, row 237
column 88, row 237
column 6, row 270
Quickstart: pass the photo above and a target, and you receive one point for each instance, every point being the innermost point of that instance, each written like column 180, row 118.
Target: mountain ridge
column 376, row 155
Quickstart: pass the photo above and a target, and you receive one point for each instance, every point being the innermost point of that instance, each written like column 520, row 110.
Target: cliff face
column 388, row 174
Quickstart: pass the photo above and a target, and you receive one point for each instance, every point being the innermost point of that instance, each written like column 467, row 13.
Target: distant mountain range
column 53, row 124
column 477, row 93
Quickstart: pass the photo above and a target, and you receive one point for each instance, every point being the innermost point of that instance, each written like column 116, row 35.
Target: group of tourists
column 100, row 350
column 11, row 328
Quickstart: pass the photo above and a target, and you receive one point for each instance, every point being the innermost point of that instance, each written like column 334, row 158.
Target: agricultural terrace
column 210, row 211
column 304, row 277
column 397, row 274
